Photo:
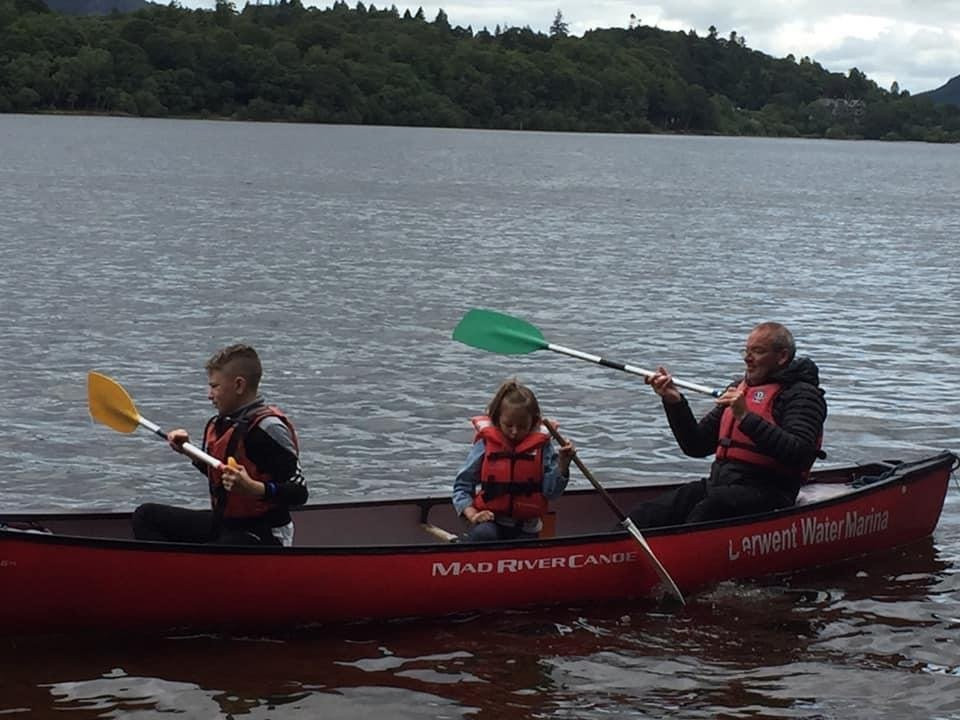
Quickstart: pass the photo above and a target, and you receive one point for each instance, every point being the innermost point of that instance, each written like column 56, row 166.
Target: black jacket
column 799, row 411
column 269, row 447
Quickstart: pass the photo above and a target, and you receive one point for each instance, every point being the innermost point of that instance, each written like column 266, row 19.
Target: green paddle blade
column 499, row 333
column 110, row 404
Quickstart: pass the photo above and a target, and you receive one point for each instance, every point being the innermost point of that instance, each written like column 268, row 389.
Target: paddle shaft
column 625, row 521
column 191, row 451
column 589, row 476
column 633, row 369
column 495, row 332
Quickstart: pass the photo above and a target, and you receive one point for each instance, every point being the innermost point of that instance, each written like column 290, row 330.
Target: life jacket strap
column 493, row 490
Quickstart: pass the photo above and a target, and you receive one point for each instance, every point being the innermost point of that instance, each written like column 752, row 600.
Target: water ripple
column 347, row 255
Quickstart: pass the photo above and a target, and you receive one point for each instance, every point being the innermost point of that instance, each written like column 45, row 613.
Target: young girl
column 512, row 469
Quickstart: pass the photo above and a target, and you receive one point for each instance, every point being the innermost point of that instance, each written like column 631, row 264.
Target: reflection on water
column 867, row 634
column 736, row 648
column 347, row 255
column 135, row 697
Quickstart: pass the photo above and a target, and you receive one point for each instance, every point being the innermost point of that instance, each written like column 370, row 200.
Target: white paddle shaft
column 633, row 369
column 191, row 451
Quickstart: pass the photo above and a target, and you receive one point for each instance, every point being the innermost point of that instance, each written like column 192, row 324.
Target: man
column 765, row 430
column 251, row 495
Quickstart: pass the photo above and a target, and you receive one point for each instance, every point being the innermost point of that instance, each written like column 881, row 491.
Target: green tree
column 858, row 86
column 559, row 29
column 282, row 61
column 224, row 13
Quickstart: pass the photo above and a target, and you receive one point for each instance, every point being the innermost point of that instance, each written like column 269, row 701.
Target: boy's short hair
column 241, row 360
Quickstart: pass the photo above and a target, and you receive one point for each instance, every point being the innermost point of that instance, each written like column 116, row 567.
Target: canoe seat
column 815, row 492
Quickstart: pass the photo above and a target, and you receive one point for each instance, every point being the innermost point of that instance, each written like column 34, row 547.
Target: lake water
column 346, row 255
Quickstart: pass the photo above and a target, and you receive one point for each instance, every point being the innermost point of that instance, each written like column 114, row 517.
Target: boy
column 250, row 497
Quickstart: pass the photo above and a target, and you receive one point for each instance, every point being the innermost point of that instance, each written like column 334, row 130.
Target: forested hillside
column 947, row 93
column 376, row 66
column 94, row 7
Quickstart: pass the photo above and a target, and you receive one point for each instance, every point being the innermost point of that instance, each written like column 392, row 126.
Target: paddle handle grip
column 632, row 369
column 191, row 451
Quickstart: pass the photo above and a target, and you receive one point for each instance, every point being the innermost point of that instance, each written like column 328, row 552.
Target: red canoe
column 76, row 572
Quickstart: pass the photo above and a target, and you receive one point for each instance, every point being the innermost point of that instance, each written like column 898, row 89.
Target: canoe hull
column 54, row 583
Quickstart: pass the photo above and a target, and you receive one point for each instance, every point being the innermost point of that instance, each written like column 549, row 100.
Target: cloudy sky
column 915, row 42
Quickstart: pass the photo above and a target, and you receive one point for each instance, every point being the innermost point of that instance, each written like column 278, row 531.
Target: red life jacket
column 231, row 443
column 734, row 444
column 511, row 477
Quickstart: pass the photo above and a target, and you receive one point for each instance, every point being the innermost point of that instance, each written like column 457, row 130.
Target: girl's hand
column 565, row 452
column 475, row 516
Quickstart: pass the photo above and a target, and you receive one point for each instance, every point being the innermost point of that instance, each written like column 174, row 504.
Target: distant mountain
column 948, row 94
column 95, row 7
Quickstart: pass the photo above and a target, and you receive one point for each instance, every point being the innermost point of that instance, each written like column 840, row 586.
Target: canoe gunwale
column 904, row 473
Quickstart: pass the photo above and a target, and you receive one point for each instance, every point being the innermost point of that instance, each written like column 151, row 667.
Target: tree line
column 364, row 65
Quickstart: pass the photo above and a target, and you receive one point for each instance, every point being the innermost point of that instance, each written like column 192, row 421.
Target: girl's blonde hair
column 514, row 394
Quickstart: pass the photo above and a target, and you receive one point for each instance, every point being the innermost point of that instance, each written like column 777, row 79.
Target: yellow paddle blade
column 110, row 404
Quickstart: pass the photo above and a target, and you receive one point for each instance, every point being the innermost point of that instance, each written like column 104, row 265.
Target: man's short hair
column 780, row 336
